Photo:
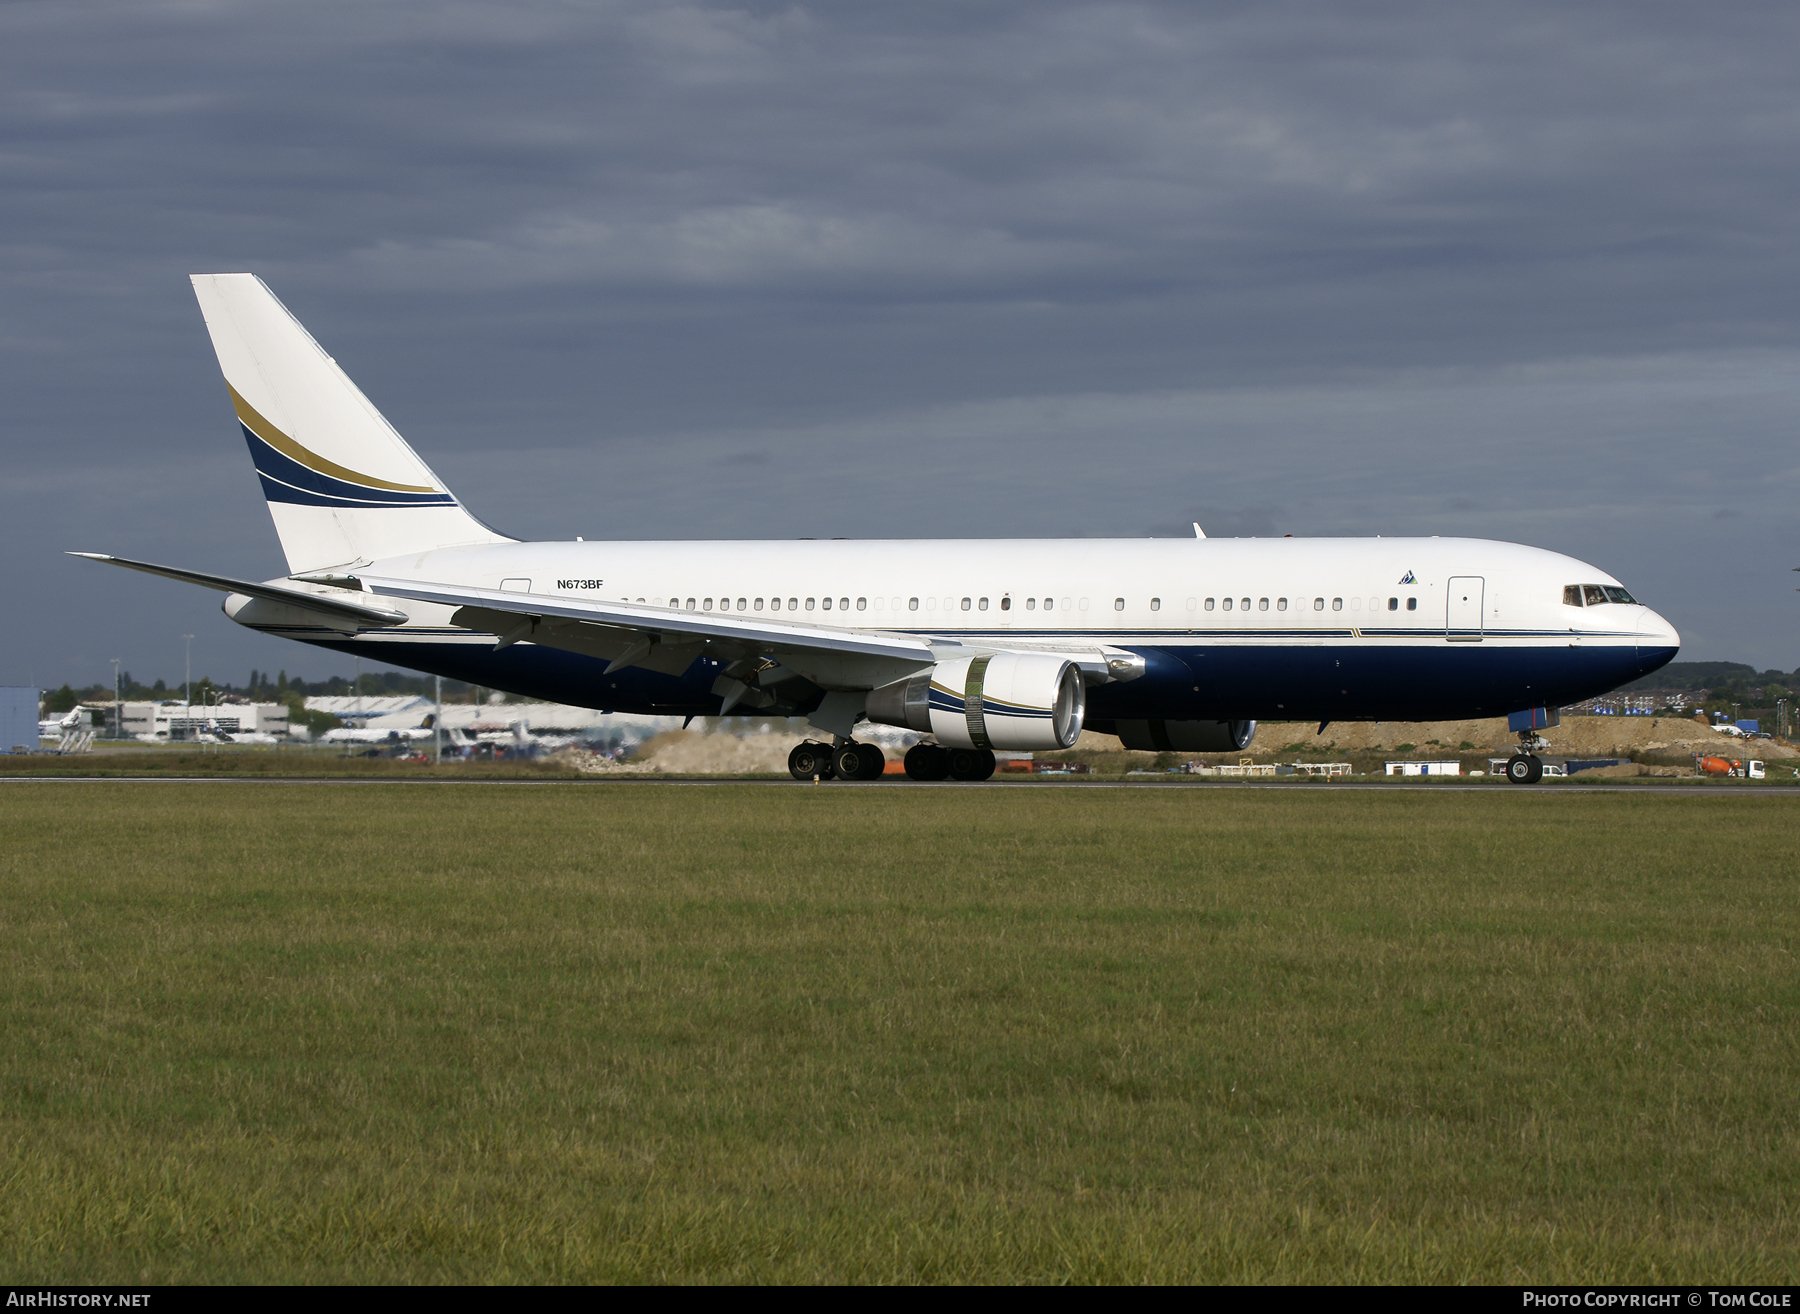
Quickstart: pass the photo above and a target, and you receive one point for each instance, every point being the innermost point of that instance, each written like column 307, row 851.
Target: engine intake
column 1186, row 736
column 1010, row 700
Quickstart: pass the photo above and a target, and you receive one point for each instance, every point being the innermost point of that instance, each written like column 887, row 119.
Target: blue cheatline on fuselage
column 1197, row 681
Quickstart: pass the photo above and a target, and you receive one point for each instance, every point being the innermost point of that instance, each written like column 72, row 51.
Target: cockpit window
column 1616, row 594
column 1571, row 595
column 1594, row 594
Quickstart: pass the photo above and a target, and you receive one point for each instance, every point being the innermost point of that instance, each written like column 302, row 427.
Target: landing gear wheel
column 971, row 764
column 1524, row 769
column 927, row 762
column 809, row 760
column 855, row 761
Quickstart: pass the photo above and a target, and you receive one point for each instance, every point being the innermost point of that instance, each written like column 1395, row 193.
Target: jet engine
column 1186, row 736
column 1009, row 700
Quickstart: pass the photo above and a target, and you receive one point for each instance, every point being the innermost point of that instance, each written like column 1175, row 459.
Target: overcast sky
column 654, row 270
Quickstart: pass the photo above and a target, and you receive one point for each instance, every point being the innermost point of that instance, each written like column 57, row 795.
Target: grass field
column 614, row 1031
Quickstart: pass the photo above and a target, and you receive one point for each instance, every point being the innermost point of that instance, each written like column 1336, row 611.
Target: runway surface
column 1706, row 789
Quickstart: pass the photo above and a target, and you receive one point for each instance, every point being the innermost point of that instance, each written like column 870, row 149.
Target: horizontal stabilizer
column 352, row 611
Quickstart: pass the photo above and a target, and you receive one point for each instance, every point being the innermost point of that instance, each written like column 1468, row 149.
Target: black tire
column 1524, row 769
column 809, row 760
column 856, row 761
column 971, row 764
column 927, row 762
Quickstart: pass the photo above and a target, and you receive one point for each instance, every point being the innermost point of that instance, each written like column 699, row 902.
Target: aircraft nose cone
column 1658, row 645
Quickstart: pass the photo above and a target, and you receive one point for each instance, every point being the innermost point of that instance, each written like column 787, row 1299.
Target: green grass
column 286, row 763
column 618, row 1031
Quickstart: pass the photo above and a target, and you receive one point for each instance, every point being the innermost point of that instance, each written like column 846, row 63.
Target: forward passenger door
column 1462, row 624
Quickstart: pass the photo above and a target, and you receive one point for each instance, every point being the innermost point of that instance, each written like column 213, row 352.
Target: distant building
column 355, row 710
column 174, row 722
column 18, row 719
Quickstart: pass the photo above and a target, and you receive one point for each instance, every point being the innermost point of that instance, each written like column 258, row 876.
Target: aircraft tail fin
column 343, row 487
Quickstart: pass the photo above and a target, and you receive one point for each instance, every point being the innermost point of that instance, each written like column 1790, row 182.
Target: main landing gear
column 848, row 761
column 853, row 761
column 932, row 762
column 1525, row 767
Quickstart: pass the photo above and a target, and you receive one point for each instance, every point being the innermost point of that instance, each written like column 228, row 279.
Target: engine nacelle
column 1186, row 736
column 1011, row 700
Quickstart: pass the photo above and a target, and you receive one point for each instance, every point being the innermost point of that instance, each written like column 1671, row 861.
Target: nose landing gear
column 1525, row 767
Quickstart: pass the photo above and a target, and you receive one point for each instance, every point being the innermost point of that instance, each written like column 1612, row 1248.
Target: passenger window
column 1209, row 604
column 1155, row 604
column 1280, row 604
column 862, row 604
column 1412, row 604
column 1030, row 604
column 1571, row 595
column 1337, row 604
column 1118, row 604
column 1262, row 604
column 1393, row 604
column 1006, row 603
column 966, row 604
column 741, row 606
column 1245, row 604
column 1227, row 604
column 1318, row 604
column 809, row 604
column 793, row 604
column 982, row 605
column 843, row 604
column 912, row 604
column 774, row 604
column 759, row 603
column 1593, row 594
column 825, row 604
column 706, row 605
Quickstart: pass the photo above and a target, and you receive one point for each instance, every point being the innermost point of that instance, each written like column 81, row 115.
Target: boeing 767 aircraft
column 976, row 644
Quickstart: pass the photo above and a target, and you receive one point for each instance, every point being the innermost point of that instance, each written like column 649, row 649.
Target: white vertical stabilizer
column 343, row 487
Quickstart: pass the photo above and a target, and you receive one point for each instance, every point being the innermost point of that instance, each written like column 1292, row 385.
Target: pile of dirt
column 1577, row 736
column 684, row 752
column 688, row 753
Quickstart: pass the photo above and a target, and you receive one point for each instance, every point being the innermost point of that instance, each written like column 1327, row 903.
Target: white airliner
column 978, row 644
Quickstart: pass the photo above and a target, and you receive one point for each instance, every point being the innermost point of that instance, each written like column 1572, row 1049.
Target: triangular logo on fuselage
column 1408, row 578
